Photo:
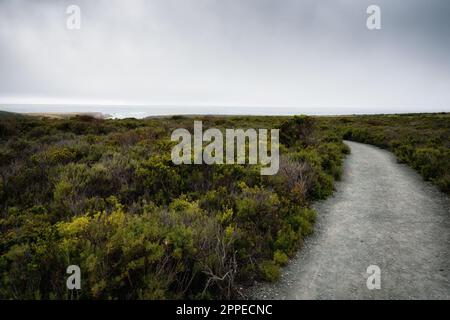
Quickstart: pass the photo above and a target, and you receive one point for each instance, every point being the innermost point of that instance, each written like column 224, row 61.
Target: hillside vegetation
column 105, row 195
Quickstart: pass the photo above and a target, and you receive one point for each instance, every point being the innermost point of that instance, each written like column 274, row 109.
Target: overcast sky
column 279, row 56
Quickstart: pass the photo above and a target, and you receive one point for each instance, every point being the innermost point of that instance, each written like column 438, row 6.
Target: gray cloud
column 287, row 56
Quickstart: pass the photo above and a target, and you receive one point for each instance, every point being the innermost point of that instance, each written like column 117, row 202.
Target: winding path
column 383, row 214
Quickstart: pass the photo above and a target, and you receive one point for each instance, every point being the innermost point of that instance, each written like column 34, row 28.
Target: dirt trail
column 383, row 214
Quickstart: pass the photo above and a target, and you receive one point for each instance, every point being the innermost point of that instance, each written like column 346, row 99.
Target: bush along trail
column 105, row 195
column 420, row 140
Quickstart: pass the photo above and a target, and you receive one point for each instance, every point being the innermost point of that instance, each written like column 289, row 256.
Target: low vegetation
column 420, row 140
column 105, row 195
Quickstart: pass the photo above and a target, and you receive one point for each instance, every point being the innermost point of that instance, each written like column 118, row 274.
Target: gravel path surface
column 383, row 214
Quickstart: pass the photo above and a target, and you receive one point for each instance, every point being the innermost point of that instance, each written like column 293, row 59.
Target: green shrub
column 280, row 258
column 270, row 271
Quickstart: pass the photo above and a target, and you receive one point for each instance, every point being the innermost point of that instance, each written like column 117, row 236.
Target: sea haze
column 143, row 111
